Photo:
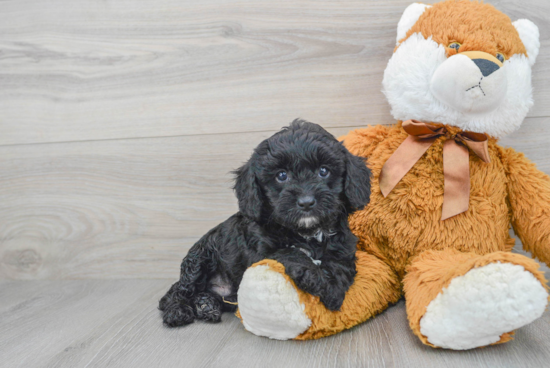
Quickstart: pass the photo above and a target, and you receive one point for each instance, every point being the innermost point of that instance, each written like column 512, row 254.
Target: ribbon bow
column 456, row 166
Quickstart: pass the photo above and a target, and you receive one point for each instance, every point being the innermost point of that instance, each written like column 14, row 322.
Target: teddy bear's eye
column 500, row 57
column 454, row 45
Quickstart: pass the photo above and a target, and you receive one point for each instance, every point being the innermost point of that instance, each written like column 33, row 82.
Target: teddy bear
column 444, row 193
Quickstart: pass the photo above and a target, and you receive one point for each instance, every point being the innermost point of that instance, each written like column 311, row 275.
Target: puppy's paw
column 208, row 308
column 333, row 301
column 296, row 272
column 306, row 277
column 177, row 314
column 164, row 302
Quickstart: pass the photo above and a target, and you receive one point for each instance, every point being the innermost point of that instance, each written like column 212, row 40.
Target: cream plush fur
column 477, row 308
column 420, row 67
column 284, row 318
column 409, row 18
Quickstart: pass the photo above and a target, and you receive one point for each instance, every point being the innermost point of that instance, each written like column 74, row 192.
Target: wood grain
column 120, row 122
column 89, row 70
column 132, row 208
column 114, row 323
column 114, row 209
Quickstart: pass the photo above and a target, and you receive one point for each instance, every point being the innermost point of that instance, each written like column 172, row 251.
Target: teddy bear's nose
column 487, row 63
column 487, row 67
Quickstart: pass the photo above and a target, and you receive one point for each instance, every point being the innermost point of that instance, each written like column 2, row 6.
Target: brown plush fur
column 406, row 225
column 475, row 25
column 529, row 200
column 408, row 221
column 509, row 189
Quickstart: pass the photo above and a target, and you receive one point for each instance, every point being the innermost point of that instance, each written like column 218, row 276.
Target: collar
column 319, row 235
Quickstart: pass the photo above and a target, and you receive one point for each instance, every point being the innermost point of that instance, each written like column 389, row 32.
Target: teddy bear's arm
column 529, row 197
column 361, row 142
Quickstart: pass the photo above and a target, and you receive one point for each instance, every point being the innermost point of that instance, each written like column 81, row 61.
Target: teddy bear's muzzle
column 472, row 82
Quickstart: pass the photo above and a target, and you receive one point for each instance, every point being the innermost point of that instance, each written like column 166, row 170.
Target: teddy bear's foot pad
column 480, row 306
column 269, row 305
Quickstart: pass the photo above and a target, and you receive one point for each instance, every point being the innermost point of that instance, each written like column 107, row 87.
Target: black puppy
column 295, row 194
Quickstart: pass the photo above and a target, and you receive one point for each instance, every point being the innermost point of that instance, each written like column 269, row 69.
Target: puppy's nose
column 306, row 202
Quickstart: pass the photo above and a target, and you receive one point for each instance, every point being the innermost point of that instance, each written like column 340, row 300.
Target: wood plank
column 49, row 316
column 132, row 208
column 114, row 323
column 89, row 70
column 114, row 209
column 532, row 139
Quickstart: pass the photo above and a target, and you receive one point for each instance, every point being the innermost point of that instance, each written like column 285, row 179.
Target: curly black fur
column 271, row 224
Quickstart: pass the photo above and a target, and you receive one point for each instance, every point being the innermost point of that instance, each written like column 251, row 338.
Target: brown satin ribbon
column 456, row 167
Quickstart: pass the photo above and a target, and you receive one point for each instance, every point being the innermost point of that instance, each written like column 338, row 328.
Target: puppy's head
column 302, row 178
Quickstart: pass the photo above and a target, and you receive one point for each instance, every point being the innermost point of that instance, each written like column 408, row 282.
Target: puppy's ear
column 357, row 181
column 248, row 191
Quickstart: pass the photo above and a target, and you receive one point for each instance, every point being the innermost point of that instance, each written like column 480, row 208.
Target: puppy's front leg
column 301, row 269
column 338, row 267
column 338, row 277
column 330, row 281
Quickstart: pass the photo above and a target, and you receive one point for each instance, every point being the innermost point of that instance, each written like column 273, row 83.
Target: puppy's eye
column 323, row 172
column 282, row 176
column 454, row 45
column 500, row 57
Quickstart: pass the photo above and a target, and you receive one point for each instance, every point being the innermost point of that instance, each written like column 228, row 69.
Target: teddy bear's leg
column 270, row 304
column 464, row 300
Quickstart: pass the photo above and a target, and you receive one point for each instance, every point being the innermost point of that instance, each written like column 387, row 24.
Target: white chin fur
column 270, row 306
column 408, row 87
column 308, row 222
column 477, row 308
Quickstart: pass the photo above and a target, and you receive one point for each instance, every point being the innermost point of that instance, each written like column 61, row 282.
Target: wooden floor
column 120, row 122
column 114, row 323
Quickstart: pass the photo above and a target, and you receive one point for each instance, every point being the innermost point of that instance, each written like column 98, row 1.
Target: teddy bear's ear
column 409, row 18
column 529, row 34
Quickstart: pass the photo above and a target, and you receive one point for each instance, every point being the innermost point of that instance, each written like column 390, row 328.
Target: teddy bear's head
column 462, row 63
